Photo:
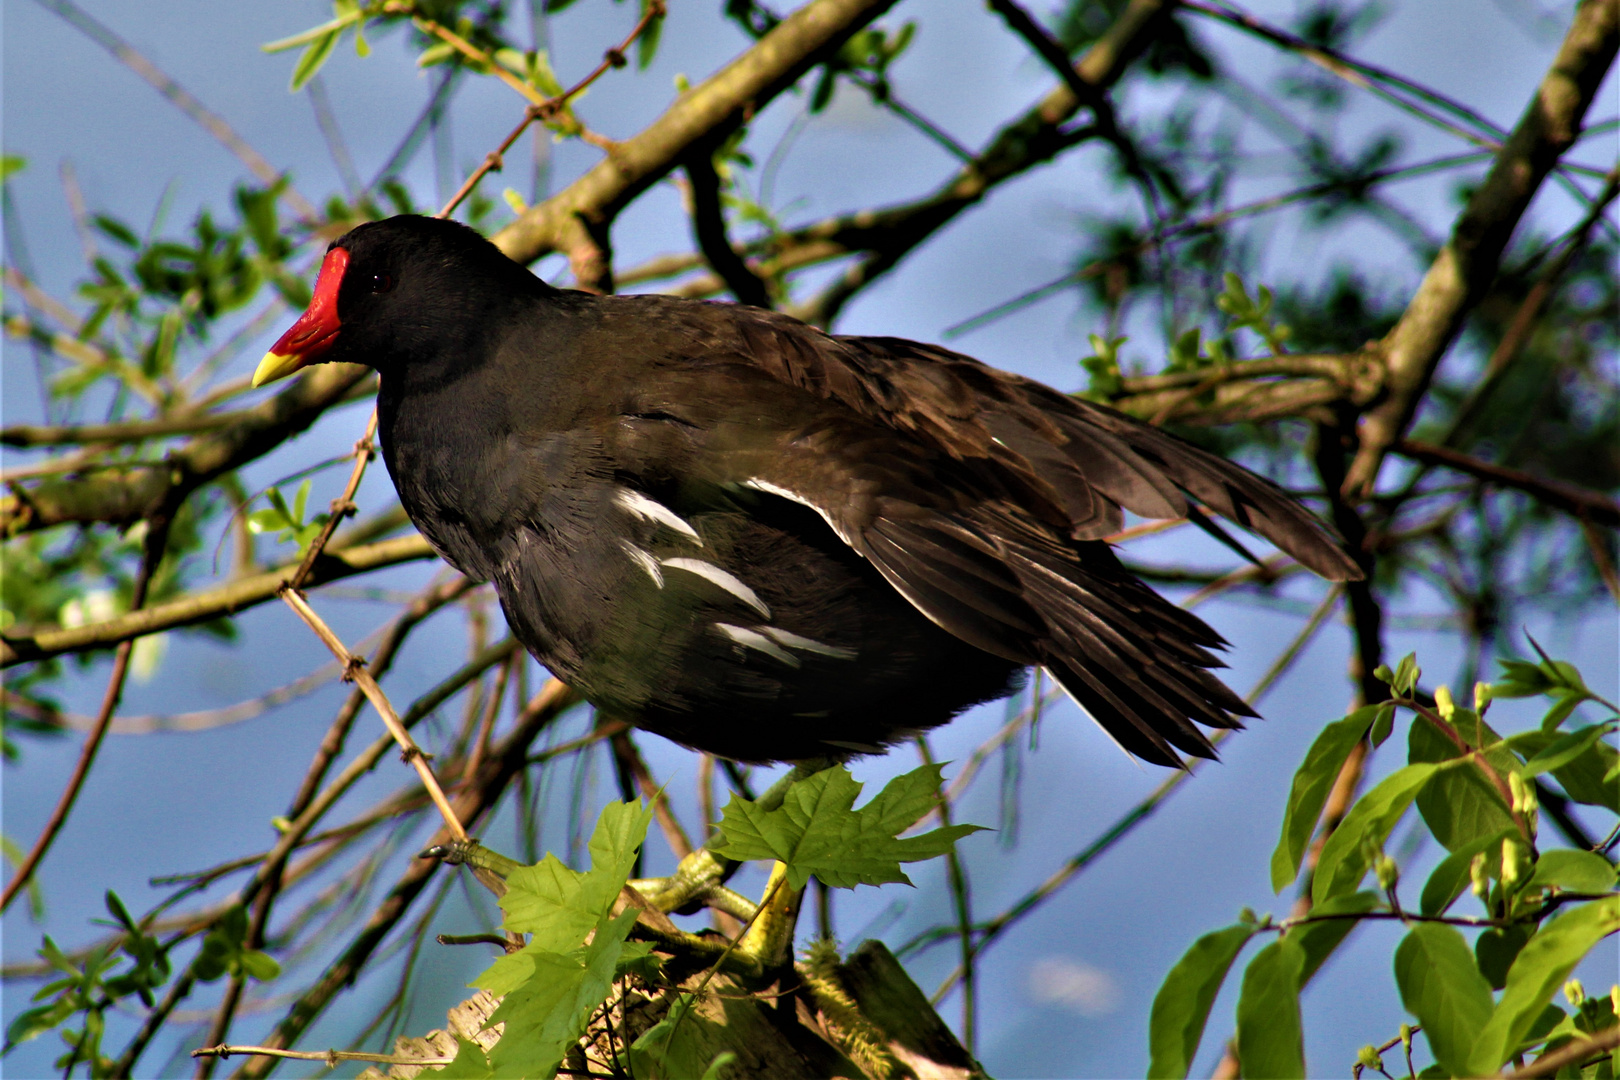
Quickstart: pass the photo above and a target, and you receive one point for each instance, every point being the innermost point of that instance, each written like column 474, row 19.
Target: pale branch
column 1581, row 1047
column 471, row 802
column 1586, row 505
column 566, row 222
column 210, row 121
column 1469, row 261
column 124, row 496
column 21, row 644
column 184, row 422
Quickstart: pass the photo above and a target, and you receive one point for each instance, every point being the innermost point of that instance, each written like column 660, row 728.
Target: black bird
column 765, row 541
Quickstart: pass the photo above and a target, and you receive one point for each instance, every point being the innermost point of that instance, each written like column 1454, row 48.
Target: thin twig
column 157, row 534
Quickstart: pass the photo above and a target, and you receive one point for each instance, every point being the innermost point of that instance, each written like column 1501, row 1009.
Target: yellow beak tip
column 276, row 366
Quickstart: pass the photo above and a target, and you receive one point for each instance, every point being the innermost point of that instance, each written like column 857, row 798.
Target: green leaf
column 1343, row 863
column 470, row 1063
column 1460, row 806
column 1312, row 783
column 1406, row 674
column 11, row 165
column 1537, row 974
column 259, row 966
column 1453, row 875
column 679, row 1045
column 1496, row 949
column 314, row 55
column 816, row 832
column 1585, row 778
column 1566, row 749
column 1181, row 1007
column 1577, row 871
column 557, row 905
column 1442, row 987
column 647, row 43
column 1319, row 939
column 546, row 1010
column 1270, row 1040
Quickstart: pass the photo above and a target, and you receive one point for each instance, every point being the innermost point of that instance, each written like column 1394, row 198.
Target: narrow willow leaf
column 1270, row 1039
column 1342, row 863
column 1453, row 875
column 314, row 55
column 1181, row 1007
column 1312, row 784
column 1537, row 974
column 1442, row 987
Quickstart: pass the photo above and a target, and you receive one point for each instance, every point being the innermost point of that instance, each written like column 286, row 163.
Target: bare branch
column 1466, row 265
column 20, row 644
column 1586, row 505
column 709, row 227
column 722, row 101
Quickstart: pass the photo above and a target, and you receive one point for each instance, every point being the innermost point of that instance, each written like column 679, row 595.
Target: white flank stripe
column 804, row 644
column 653, row 510
column 710, row 572
column 769, row 488
column 754, row 640
column 645, row 561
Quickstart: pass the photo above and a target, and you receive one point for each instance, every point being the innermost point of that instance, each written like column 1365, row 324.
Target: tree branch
column 717, row 105
column 1579, row 502
column 1466, row 265
column 19, row 646
column 123, row 496
column 709, row 227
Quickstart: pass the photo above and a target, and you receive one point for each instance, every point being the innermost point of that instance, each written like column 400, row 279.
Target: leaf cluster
column 1544, row 908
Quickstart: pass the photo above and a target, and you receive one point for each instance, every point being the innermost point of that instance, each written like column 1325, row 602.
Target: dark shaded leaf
column 1453, row 875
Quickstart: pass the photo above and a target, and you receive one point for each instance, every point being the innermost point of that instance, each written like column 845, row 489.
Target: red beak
column 316, row 329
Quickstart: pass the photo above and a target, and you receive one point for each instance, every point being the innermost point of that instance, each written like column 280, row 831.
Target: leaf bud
column 1575, row 992
column 1479, row 876
column 1515, row 861
column 1388, row 872
column 1482, row 697
column 1406, row 1037
column 1443, row 703
column 1369, row 1058
column 1516, row 788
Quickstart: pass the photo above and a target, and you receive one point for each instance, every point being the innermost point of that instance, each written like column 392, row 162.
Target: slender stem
column 157, row 533
column 962, row 900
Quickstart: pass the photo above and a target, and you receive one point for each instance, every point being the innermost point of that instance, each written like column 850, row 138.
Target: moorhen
column 765, row 541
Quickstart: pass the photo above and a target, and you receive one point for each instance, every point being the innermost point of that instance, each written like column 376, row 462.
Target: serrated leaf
column 1577, row 871
column 1453, row 875
column 1442, row 987
column 558, row 905
column 1537, row 974
column 1181, row 1007
column 549, row 997
column 470, row 1063
column 1312, row 783
column 1343, row 863
column 817, row 832
column 1270, row 1040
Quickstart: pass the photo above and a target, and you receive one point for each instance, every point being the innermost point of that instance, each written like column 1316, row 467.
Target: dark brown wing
column 981, row 497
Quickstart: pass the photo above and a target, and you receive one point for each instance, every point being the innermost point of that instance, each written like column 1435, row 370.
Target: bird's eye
column 381, row 283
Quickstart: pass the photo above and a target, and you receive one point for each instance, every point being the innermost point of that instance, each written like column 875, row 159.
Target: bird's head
column 391, row 292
